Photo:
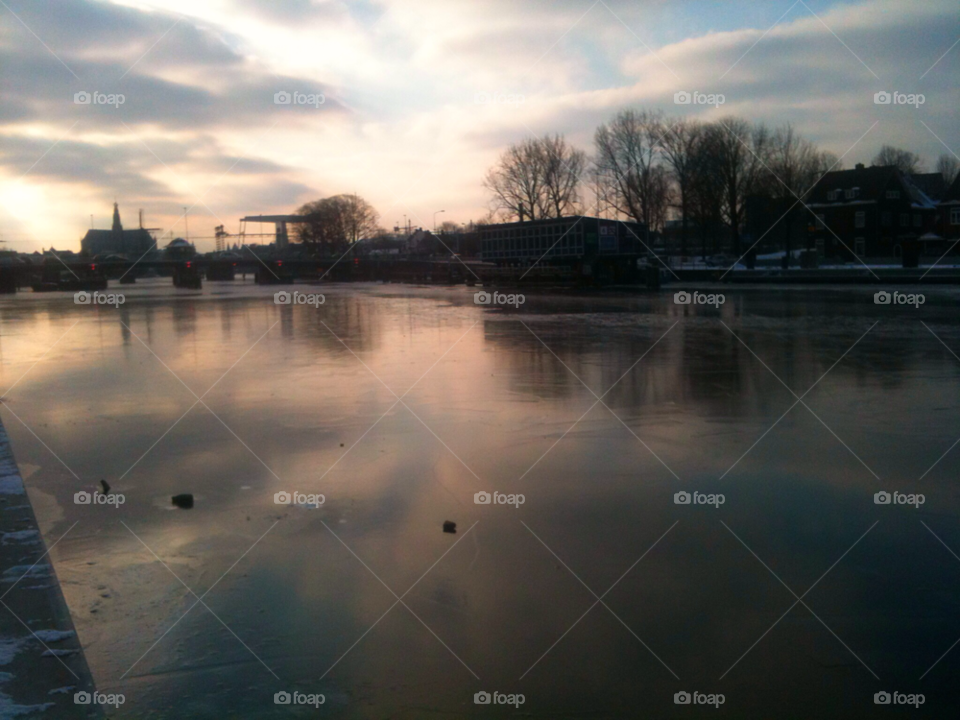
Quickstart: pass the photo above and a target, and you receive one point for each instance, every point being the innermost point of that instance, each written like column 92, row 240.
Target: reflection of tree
column 700, row 365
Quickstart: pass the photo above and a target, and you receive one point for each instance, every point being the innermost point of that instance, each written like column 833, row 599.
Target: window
column 852, row 193
column 917, row 220
column 820, row 247
column 860, row 246
column 893, row 194
column 886, row 219
column 955, row 216
column 820, row 222
column 833, row 194
column 860, row 219
column 904, row 219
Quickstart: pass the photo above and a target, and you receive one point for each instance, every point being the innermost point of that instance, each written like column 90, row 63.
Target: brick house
column 873, row 212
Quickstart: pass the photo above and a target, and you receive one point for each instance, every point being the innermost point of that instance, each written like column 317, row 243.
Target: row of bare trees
column 650, row 168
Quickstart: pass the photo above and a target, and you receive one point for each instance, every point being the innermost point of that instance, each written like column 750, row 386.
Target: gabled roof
column 872, row 181
column 932, row 184
column 918, row 198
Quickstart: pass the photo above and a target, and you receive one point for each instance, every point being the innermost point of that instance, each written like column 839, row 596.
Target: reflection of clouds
column 499, row 400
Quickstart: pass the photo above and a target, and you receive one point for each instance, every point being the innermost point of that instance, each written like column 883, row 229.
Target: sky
column 409, row 102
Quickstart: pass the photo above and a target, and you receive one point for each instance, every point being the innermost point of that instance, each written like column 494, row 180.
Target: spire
column 117, row 227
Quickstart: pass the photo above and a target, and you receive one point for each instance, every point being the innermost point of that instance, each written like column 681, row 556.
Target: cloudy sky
column 418, row 96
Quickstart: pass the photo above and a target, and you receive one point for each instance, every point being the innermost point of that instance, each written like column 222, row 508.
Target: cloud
column 400, row 122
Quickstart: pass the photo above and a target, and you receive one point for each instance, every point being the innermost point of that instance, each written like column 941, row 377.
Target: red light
column 356, row 261
column 188, row 264
column 234, row 264
column 279, row 263
column 93, row 267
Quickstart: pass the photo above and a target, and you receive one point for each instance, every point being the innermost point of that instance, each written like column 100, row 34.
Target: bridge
column 57, row 275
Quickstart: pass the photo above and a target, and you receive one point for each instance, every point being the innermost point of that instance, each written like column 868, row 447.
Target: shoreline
column 42, row 663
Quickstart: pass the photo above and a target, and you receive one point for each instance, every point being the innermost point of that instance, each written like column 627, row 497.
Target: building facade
column 870, row 212
column 117, row 241
column 562, row 241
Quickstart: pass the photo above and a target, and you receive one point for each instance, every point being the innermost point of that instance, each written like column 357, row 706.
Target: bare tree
column 537, row 178
column 740, row 148
column 563, row 167
column 680, row 142
column 905, row 160
column 337, row 221
column 628, row 162
column 707, row 190
column 516, row 181
column 949, row 167
column 793, row 167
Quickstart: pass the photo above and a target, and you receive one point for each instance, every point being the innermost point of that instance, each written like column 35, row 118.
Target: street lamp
column 435, row 219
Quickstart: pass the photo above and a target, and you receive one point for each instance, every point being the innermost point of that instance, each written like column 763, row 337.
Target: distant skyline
column 409, row 102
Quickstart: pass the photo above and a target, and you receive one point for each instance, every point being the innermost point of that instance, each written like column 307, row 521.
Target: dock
column 42, row 665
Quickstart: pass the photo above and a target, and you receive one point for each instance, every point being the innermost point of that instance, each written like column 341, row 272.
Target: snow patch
column 52, row 636
column 21, row 536
column 58, row 653
column 11, row 485
column 8, row 649
column 34, row 572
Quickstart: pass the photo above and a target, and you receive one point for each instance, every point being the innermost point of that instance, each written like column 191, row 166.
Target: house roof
column 932, row 184
column 871, row 180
